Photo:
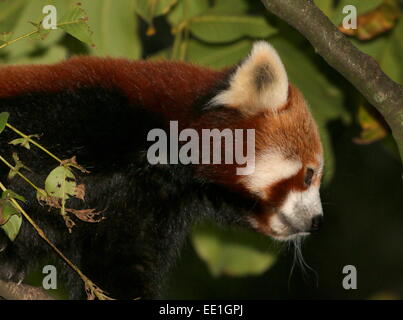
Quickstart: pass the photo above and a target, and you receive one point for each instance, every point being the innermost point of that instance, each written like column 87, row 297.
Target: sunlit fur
column 259, row 83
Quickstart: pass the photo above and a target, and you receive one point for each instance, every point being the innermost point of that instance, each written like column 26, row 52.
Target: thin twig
column 33, row 142
column 19, row 38
column 20, row 174
column 31, row 33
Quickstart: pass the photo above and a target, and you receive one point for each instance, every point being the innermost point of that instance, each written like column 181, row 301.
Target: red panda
column 101, row 110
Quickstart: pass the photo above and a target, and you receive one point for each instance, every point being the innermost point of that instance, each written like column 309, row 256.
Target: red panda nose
column 317, row 222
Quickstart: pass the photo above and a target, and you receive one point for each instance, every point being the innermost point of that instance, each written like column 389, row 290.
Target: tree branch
column 357, row 67
column 15, row 291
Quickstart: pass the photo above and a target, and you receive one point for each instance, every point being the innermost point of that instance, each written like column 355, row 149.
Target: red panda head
column 288, row 152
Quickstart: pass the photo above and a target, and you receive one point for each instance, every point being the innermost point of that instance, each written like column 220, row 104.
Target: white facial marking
column 301, row 206
column 277, row 225
column 269, row 169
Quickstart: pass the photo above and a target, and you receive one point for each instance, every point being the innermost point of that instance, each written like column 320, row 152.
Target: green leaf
column 149, row 9
column 114, row 26
column 31, row 11
column 61, row 183
column 12, row 227
column 10, row 10
column 17, row 167
column 391, row 60
column 227, row 28
column 217, row 56
column 225, row 22
column 75, row 24
column 186, row 9
column 232, row 252
column 3, row 120
column 6, row 211
column 9, row 194
column 371, row 128
column 10, row 218
column 326, row 6
column 211, row 55
column 23, row 142
column 231, row 7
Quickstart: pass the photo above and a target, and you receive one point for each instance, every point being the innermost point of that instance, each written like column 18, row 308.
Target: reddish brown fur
column 292, row 131
column 167, row 88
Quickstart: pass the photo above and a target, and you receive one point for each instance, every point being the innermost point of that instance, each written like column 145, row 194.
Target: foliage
column 3, row 120
column 215, row 34
column 10, row 217
column 232, row 252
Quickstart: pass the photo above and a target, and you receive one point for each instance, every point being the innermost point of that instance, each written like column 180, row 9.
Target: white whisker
column 299, row 260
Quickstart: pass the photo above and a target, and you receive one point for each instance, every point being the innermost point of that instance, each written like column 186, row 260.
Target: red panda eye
column 308, row 176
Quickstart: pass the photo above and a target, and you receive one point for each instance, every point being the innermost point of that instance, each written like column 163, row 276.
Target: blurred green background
column 362, row 190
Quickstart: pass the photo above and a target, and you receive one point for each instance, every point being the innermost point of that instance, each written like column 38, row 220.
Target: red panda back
column 164, row 87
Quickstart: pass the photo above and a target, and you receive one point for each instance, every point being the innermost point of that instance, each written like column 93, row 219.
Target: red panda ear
column 258, row 84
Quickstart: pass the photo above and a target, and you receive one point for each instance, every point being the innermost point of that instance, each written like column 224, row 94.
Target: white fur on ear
column 258, row 84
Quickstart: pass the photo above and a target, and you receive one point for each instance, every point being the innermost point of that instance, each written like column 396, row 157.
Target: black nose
column 317, row 222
